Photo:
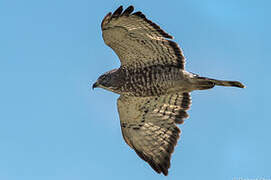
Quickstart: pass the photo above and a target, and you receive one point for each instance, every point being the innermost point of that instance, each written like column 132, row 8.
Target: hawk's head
column 109, row 80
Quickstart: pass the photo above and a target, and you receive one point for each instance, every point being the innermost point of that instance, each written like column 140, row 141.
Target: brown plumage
column 153, row 84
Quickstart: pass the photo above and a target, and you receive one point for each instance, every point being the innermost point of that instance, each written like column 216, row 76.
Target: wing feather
column 118, row 12
column 136, row 39
column 149, row 126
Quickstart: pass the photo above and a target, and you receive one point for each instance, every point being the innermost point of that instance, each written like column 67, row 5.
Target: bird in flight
column 153, row 84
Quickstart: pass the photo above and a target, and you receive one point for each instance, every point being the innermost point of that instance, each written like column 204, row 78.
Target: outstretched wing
column 139, row 42
column 149, row 126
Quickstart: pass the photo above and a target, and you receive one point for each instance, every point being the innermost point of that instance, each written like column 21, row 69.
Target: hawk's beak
column 95, row 85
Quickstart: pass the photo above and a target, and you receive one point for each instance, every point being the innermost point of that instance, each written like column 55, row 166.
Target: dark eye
column 107, row 77
column 103, row 77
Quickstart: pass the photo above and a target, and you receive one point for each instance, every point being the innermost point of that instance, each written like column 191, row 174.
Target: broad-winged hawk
column 153, row 85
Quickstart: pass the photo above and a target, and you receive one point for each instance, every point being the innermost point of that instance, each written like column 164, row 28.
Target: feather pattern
column 149, row 126
column 135, row 39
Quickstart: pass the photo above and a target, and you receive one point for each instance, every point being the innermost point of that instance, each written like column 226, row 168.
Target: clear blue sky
column 53, row 126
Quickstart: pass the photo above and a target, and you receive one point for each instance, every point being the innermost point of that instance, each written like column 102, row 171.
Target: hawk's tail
column 207, row 83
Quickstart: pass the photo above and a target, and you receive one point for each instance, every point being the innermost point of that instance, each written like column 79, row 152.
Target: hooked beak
column 95, row 85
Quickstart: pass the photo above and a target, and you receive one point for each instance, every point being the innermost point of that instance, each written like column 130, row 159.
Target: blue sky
column 53, row 126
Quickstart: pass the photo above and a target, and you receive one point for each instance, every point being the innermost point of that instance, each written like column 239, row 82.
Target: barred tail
column 228, row 83
column 204, row 80
column 224, row 83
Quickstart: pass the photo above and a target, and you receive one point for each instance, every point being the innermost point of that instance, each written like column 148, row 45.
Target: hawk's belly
column 153, row 81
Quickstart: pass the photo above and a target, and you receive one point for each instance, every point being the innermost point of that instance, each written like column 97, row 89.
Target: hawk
column 153, row 84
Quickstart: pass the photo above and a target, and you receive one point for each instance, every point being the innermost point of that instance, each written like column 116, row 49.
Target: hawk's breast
column 150, row 80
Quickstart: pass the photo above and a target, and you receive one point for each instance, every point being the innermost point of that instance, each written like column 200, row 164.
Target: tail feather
column 228, row 83
column 222, row 82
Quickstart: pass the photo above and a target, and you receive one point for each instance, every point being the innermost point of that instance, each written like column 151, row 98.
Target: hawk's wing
column 148, row 126
column 138, row 41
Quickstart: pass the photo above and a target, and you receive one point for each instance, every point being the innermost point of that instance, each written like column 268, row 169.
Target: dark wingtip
column 106, row 19
column 128, row 11
column 118, row 12
column 139, row 14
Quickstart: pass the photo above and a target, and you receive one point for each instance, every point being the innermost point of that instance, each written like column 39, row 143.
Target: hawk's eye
column 105, row 80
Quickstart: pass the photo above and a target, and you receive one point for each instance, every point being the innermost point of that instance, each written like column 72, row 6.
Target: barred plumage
column 153, row 84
